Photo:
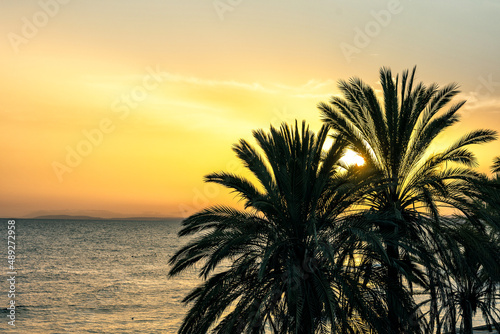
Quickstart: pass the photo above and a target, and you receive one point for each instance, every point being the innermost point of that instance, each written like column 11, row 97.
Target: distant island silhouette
column 94, row 215
column 70, row 217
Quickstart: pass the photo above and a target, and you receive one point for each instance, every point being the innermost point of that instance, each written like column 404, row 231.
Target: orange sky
column 124, row 106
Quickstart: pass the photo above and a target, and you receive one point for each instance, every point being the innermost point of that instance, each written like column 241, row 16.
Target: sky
column 121, row 107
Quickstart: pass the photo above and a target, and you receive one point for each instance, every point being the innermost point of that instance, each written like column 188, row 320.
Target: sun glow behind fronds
column 352, row 158
column 349, row 158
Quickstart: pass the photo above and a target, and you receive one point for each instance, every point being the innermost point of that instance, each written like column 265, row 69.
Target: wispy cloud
column 311, row 89
column 207, row 82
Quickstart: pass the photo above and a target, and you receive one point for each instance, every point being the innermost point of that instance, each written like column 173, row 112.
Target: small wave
column 145, row 255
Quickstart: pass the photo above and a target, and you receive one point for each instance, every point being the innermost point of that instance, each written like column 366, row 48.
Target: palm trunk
column 306, row 321
column 307, row 327
column 467, row 319
column 391, row 296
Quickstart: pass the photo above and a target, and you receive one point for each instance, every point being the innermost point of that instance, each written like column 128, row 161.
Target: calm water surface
column 95, row 277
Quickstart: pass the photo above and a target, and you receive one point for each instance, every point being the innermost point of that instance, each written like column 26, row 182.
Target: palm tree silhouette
column 288, row 262
column 468, row 280
column 395, row 137
column 496, row 165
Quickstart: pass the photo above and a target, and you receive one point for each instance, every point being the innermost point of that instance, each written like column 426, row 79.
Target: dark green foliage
column 496, row 165
column 395, row 137
column 320, row 248
column 469, row 263
column 283, row 260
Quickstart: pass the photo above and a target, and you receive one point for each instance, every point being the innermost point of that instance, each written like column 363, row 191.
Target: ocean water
column 94, row 277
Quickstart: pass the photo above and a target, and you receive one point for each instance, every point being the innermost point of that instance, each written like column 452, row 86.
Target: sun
column 352, row 158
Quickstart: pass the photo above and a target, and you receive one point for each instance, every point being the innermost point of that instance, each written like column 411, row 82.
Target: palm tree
column 468, row 281
column 395, row 137
column 288, row 262
column 496, row 165
column 489, row 196
column 469, row 277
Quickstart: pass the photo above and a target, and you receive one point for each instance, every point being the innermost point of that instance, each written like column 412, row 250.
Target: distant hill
column 95, row 215
column 67, row 217
column 71, row 217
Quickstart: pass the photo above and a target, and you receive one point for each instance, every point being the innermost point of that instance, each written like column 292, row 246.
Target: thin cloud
column 311, row 89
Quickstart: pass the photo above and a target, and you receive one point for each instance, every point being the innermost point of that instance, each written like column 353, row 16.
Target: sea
column 94, row 276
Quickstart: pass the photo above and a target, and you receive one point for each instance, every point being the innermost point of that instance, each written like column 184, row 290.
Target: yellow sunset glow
column 124, row 106
column 352, row 158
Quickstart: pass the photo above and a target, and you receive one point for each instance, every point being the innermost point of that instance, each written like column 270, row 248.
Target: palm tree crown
column 395, row 137
column 496, row 165
column 320, row 247
column 281, row 260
